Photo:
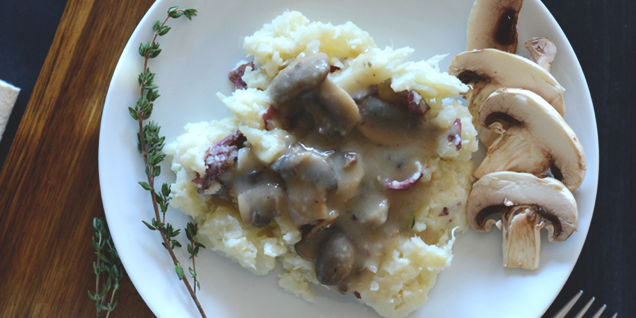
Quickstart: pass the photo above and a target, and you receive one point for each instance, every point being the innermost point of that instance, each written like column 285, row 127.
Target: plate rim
column 144, row 22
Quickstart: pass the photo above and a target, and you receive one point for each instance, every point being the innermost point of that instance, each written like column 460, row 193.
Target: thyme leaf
column 107, row 263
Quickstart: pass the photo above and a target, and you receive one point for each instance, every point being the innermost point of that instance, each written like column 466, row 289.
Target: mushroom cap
column 493, row 24
column 385, row 123
column 489, row 69
column 339, row 112
column 302, row 75
column 551, row 140
column 509, row 189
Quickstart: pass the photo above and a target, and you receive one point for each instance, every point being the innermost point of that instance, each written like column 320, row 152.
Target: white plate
column 193, row 66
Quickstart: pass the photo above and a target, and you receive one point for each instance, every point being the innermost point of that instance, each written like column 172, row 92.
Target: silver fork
column 571, row 303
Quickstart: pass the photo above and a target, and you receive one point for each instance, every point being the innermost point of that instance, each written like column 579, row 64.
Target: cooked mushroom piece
column 331, row 251
column 335, row 258
column 308, row 179
column 371, row 208
column 525, row 204
column 302, row 75
column 385, row 123
column 349, row 170
column 334, row 110
column 542, row 50
column 487, row 70
column 260, row 197
column 537, row 138
column 493, row 24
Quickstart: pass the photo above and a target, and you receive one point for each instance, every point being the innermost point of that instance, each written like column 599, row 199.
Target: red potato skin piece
column 219, row 158
column 455, row 134
column 444, row 212
column 271, row 114
column 416, row 103
column 406, row 184
column 236, row 75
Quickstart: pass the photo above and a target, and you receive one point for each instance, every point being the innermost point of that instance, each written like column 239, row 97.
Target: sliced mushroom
column 487, row 70
column 525, row 204
column 260, row 198
column 542, row 50
column 334, row 110
column 302, row 75
column 385, row 123
column 308, row 179
column 537, row 138
column 335, row 259
column 332, row 253
column 292, row 116
column 493, row 24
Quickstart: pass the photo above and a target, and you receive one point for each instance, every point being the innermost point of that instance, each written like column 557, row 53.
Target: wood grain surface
column 50, row 188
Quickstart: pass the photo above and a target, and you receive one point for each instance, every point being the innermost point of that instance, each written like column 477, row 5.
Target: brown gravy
column 349, row 196
column 351, row 187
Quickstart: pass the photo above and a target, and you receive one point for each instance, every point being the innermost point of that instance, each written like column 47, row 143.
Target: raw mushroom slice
column 487, row 70
column 542, row 50
column 493, row 24
column 537, row 138
column 525, row 204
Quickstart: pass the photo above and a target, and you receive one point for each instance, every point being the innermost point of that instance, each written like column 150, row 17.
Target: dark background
column 603, row 34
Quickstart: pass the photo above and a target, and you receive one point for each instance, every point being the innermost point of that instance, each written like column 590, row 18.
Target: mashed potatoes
column 397, row 282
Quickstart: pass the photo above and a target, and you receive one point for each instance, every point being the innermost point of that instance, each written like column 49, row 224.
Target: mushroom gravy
column 342, row 162
column 350, row 190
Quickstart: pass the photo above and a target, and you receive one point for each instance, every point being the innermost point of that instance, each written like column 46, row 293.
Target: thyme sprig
column 151, row 143
column 108, row 263
column 193, row 250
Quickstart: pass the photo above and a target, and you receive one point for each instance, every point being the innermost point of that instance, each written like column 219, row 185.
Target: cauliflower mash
column 341, row 160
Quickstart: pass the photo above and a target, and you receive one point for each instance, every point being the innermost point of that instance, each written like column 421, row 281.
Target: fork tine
column 615, row 315
column 599, row 312
column 568, row 306
column 585, row 308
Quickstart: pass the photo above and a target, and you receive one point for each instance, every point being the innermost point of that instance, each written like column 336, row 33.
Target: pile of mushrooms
column 517, row 108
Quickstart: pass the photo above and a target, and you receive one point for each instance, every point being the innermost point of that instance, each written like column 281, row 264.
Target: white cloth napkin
column 8, row 96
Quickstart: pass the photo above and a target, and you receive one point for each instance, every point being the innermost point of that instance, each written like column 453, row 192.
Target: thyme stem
column 107, row 261
column 97, row 276
column 112, row 298
column 194, row 268
column 145, row 150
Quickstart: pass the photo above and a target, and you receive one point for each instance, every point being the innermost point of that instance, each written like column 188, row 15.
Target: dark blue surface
column 603, row 34
column 27, row 30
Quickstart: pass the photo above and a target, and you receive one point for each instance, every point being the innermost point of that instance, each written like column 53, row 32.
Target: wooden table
column 50, row 187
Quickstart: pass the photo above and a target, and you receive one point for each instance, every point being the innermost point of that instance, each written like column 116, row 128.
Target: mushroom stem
column 542, row 50
column 517, row 151
column 521, row 237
